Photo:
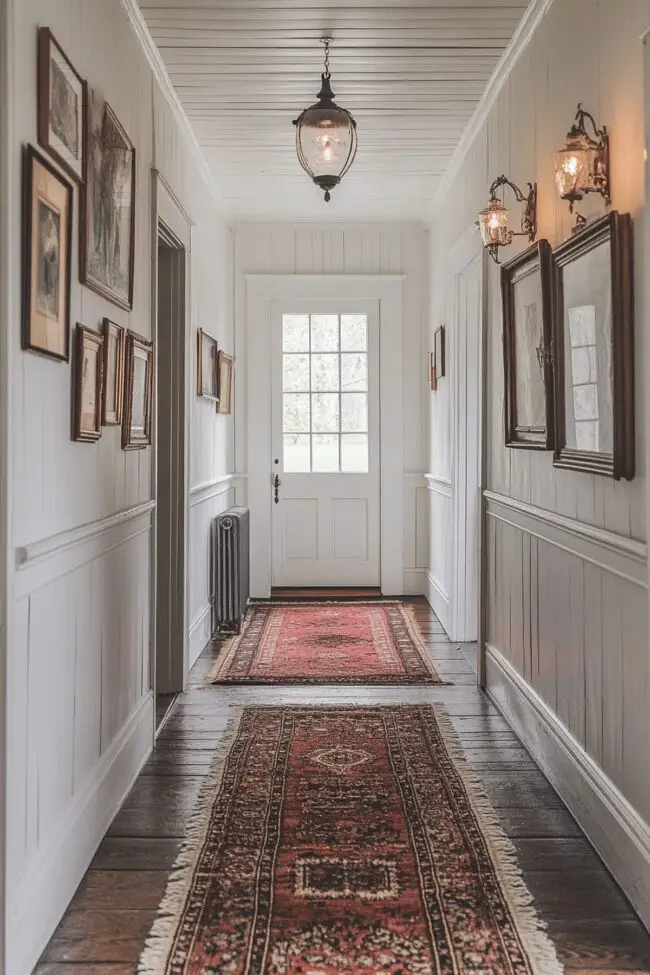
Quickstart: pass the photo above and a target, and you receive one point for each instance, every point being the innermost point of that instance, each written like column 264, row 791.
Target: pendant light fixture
column 326, row 136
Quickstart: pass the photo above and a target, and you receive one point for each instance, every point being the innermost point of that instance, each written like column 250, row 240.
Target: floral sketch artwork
column 109, row 206
column 48, row 260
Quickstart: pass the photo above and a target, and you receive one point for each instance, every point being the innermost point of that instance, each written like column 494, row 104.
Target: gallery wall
column 566, row 581
column 79, row 705
column 373, row 249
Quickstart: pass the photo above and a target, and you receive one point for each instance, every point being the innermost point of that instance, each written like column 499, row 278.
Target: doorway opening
column 170, row 472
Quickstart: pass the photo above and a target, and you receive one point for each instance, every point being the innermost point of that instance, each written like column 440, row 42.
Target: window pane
column 297, row 457
column 354, row 412
column 296, row 373
column 325, row 372
column 354, row 453
column 295, row 413
column 324, row 333
column 325, row 453
column 354, row 333
column 325, row 412
column 354, row 372
column 295, row 333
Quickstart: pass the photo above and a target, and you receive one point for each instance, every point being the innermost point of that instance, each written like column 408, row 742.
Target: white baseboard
column 438, row 600
column 200, row 633
column 616, row 830
column 50, row 881
column 415, row 583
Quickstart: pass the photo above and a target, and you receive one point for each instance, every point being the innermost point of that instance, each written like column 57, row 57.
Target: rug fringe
column 532, row 929
column 159, row 942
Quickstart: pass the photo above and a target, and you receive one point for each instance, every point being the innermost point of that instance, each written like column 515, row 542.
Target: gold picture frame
column 224, row 382
column 207, row 384
column 88, row 380
column 113, row 383
column 138, row 392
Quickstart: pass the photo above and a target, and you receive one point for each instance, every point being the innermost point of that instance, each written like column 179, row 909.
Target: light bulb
column 494, row 222
column 571, row 165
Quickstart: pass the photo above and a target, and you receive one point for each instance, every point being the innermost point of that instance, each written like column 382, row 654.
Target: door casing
column 262, row 291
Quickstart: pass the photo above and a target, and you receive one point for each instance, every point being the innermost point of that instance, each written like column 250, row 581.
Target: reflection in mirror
column 589, row 381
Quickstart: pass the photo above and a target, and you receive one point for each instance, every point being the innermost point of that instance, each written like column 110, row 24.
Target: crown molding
column 518, row 44
column 157, row 65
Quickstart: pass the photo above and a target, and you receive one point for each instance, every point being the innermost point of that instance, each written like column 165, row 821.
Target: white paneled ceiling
column 410, row 71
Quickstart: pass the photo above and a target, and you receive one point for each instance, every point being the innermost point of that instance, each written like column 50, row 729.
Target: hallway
column 589, row 920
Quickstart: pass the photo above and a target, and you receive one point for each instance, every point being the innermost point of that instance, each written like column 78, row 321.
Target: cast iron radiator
column 230, row 569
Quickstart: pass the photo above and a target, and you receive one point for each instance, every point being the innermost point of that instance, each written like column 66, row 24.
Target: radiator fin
column 230, row 555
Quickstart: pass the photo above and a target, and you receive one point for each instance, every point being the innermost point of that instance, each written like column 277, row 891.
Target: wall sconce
column 493, row 221
column 583, row 165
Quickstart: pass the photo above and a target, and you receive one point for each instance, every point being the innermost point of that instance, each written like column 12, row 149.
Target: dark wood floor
column 590, row 921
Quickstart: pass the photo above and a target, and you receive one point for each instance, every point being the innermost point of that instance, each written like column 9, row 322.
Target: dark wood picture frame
column 137, row 436
column 433, row 381
column 47, row 43
column 113, row 359
column 89, row 196
column 82, row 429
column 535, row 260
column 207, row 347
column 224, row 382
column 440, row 352
column 33, row 319
column 616, row 230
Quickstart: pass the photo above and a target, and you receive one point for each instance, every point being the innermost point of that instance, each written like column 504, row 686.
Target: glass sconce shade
column 582, row 166
column 493, row 223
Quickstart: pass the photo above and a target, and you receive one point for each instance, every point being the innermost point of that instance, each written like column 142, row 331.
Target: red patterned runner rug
column 346, row 840
column 326, row 643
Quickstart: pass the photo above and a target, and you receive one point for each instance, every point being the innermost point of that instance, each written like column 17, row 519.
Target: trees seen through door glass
column 325, row 393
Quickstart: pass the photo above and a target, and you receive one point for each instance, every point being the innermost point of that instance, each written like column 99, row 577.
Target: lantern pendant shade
column 582, row 166
column 326, row 139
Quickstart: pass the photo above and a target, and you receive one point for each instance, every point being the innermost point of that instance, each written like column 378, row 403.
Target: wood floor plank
column 133, row 854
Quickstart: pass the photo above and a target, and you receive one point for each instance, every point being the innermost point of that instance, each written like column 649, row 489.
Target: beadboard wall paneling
column 572, row 624
column 269, row 248
column 79, row 713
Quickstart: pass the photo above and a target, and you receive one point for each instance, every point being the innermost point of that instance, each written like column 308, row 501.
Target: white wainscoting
column 416, row 534
column 440, row 572
column 567, row 663
column 206, row 502
column 80, row 711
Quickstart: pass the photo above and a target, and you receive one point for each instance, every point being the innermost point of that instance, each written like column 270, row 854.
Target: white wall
column 352, row 249
column 567, row 615
column 79, row 707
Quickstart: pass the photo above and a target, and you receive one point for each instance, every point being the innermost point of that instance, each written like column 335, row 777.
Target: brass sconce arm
column 529, row 216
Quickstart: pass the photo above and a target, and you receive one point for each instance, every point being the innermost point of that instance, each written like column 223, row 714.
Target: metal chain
column 326, row 42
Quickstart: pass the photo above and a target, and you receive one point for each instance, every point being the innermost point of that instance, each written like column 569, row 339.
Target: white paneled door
column 324, row 468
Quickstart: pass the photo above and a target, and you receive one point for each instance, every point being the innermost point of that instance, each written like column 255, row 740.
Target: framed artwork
column 47, row 241
column 439, row 352
column 107, row 238
column 138, row 392
column 224, row 382
column 87, row 398
column 527, row 293
column 206, row 366
column 113, row 385
column 433, row 379
column 594, row 349
column 61, row 106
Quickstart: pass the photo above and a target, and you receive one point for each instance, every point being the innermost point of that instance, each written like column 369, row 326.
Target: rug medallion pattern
column 328, row 643
column 346, row 840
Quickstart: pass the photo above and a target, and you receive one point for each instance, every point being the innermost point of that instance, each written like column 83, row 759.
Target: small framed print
column 206, row 366
column 439, row 352
column 433, row 379
column 138, row 392
column 527, row 293
column 61, row 106
column 224, row 382
column 47, row 240
column 87, row 399
column 113, row 385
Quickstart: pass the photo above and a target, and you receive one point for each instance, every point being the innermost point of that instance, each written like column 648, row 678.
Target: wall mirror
column 526, row 287
column 593, row 349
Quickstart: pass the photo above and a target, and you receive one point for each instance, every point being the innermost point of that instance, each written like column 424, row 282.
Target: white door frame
column 262, row 290
column 467, row 472
column 168, row 211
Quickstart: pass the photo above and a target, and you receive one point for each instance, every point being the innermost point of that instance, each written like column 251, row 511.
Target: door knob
column 276, row 488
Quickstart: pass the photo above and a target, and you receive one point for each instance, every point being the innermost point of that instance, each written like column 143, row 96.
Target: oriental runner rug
column 325, row 643
column 346, row 840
